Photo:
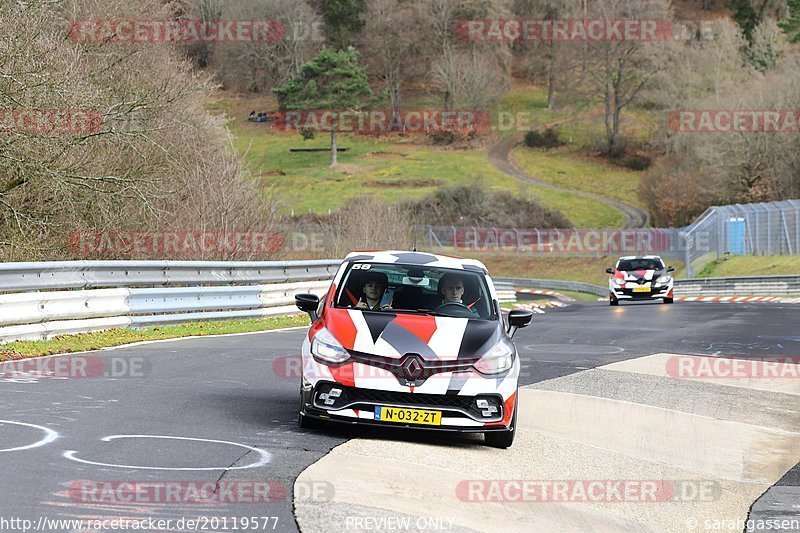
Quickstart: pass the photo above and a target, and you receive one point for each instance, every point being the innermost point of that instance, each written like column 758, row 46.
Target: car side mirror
column 308, row 303
column 518, row 318
column 670, row 269
column 609, row 271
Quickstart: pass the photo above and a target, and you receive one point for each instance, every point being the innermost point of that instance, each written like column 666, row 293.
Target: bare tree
column 550, row 59
column 443, row 18
column 152, row 147
column 464, row 69
column 619, row 69
column 258, row 67
column 390, row 45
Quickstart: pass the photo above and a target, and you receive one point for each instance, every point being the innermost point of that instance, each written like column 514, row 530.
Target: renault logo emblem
column 412, row 368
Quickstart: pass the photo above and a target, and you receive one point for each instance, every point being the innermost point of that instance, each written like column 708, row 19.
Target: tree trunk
column 333, row 148
column 394, row 99
column 613, row 109
column 608, row 112
column 551, row 78
column 448, row 100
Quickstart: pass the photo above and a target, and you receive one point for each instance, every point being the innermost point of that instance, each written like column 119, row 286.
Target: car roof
column 417, row 258
column 629, row 257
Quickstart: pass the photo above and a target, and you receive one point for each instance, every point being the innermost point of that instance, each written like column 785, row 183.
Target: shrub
column 633, row 162
column 468, row 205
column 548, row 139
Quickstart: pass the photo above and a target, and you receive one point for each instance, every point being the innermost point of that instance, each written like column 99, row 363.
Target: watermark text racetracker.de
column 565, row 30
column 183, row 31
column 182, row 492
column 47, row 122
column 734, row 121
column 733, row 367
column 186, row 243
column 569, row 241
column 175, row 242
column 587, row 490
column 75, row 367
column 377, row 121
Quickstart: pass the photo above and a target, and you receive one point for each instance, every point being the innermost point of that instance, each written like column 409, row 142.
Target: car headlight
column 497, row 360
column 663, row 280
column 620, row 281
column 326, row 347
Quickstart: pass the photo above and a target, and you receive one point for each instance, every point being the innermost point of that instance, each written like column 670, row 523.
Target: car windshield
column 628, row 265
column 416, row 289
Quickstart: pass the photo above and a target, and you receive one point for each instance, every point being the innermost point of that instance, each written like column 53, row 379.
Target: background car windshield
column 416, row 289
column 628, row 265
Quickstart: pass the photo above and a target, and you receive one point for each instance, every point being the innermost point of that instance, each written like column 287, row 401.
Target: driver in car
column 452, row 289
column 375, row 284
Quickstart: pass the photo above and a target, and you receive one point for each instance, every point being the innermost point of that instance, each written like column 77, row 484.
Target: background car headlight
column 497, row 360
column 663, row 280
column 326, row 347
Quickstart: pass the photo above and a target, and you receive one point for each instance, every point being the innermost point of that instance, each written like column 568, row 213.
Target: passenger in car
column 374, row 287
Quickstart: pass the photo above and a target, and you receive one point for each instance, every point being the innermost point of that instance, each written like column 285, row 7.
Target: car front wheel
column 612, row 300
column 306, row 422
column 503, row 439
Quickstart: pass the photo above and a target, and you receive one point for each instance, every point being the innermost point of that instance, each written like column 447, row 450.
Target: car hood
column 393, row 335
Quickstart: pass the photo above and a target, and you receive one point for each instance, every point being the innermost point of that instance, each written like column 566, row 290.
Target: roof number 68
column 361, row 266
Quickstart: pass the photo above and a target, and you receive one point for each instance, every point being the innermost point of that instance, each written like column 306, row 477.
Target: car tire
column 668, row 300
column 503, row 439
column 612, row 300
column 307, row 422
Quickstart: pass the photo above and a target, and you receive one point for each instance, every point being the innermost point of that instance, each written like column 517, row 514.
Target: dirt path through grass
column 499, row 156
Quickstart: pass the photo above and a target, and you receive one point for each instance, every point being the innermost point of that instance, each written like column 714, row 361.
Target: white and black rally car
column 409, row 339
column 640, row 278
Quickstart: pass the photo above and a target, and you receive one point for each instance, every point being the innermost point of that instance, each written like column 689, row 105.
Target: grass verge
column 567, row 167
column 83, row 342
column 752, row 265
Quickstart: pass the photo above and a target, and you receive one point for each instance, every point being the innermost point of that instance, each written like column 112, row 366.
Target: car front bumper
column 627, row 292
column 364, row 387
column 360, row 409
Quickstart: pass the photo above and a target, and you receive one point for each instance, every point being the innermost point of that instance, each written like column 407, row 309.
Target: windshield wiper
column 429, row 312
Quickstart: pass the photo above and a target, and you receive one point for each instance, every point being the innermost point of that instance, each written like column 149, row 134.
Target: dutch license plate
column 408, row 416
column 641, row 289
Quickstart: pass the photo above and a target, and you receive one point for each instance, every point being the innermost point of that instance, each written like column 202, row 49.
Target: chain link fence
column 743, row 229
column 749, row 229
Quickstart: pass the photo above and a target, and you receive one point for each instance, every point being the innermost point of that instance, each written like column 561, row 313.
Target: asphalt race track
column 223, row 411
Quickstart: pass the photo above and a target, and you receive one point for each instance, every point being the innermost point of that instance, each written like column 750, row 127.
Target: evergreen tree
column 332, row 82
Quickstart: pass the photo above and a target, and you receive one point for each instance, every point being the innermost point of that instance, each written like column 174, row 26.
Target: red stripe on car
column 423, row 327
column 341, row 325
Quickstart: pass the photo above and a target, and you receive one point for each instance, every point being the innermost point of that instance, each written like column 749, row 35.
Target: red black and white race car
column 640, row 278
column 409, row 339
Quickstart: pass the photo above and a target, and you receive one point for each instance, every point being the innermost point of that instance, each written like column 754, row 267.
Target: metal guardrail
column 84, row 296
column 739, row 286
column 733, row 286
column 505, row 291
column 555, row 285
column 42, row 300
column 16, row 277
